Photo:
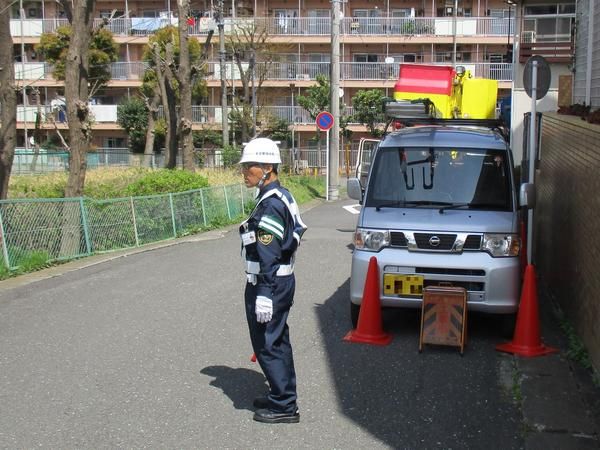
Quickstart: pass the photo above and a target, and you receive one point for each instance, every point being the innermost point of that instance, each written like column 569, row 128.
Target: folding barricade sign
column 444, row 316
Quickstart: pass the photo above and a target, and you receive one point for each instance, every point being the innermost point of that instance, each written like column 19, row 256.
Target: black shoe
column 260, row 403
column 268, row 416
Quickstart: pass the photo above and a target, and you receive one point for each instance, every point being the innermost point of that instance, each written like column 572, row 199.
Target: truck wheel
column 354, row 312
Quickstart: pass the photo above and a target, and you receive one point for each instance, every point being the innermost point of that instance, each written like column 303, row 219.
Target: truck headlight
column 371, row 240
column 501, row 244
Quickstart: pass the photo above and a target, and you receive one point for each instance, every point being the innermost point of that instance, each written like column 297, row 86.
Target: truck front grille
column 438, row 242
column 426, row 241
column 397, row 239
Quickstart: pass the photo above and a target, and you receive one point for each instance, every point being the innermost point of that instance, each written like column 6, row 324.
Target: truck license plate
column 403, row 285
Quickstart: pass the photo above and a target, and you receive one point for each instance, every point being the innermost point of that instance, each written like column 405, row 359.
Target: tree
column 152, row 98
column 184, row 79
column 103, row 51
column 81, row 56
column 369, row 109
column 317, row 97
column 132, row 116
column 279, row 130
column 318, row 100
column 204, row 140
column 8, row 100
column 247, row 43
column 77, row 79
column 163, row 56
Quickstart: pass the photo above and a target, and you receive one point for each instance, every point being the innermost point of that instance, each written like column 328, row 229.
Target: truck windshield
column 440, row 177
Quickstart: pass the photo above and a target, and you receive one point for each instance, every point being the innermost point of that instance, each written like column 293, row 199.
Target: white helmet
column 261, row 150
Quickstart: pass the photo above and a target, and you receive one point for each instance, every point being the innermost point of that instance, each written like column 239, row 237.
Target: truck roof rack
column 421, row 108
column 422, row 112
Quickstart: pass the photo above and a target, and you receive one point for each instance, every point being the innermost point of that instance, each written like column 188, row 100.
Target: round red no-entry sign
column 324, row 120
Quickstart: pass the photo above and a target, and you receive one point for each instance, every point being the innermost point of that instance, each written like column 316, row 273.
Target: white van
column 439, row 205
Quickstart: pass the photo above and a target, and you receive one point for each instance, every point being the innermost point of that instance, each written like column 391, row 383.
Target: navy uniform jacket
column 273, row 232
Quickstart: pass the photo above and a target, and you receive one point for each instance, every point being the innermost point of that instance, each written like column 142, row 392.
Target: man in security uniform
column 270, row 237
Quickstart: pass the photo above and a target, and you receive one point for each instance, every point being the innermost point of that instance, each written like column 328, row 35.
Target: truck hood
column 453, row 220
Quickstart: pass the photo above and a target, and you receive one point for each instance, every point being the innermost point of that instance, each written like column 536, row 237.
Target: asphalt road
column 152, row 350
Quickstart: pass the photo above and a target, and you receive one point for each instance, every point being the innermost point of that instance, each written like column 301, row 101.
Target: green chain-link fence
column 69, row 228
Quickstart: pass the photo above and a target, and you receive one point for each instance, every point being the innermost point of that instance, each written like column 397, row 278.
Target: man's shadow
column 242, row 386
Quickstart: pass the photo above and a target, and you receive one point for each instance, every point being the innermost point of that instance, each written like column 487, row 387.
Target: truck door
column 366, row 150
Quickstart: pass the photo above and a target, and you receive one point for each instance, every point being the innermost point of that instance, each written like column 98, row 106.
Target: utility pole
column 454, row 33
column 22, row 16
column 221, row 25
column 334, row 141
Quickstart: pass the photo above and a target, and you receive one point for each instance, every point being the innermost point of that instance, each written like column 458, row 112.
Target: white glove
column 264, row 309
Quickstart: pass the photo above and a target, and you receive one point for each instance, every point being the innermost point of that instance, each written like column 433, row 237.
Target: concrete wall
column 567, row 222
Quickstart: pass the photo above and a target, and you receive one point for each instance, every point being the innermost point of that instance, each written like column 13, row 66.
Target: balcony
column 552, row 51
column 277, row 71
column 43, row 71
column 293, row 26
column 105, row 116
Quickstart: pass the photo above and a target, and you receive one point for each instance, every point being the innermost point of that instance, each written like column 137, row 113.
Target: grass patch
column 576, row 350
column 106, row 183
column 516, row 386
column 304, row 188
column 28, row 262
column 164, row 181
column 113, row 182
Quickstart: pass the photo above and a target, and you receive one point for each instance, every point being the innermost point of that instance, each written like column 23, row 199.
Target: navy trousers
column 271, row 344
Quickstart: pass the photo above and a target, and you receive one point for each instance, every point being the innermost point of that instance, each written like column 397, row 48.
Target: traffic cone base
column 524, row 350
column 361, row 338
column 369, row 329
column 526, row 340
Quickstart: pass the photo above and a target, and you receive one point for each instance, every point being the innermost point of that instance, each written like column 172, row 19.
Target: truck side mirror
column 354, row 188
column 527, row 195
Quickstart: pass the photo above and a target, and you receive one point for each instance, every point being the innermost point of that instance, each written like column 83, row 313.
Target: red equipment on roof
column 426, row 79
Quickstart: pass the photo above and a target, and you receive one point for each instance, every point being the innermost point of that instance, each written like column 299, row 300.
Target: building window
column 548, row 23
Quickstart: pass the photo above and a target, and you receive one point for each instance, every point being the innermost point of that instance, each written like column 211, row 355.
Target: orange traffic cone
column 369, row 329
column 253, row 357
column 526, row 340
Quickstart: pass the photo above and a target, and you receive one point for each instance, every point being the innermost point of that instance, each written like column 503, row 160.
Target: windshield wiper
column 412, row 203
column 388, row 204
column 471, row 206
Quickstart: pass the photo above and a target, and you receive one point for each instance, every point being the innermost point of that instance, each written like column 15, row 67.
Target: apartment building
column 376, row 36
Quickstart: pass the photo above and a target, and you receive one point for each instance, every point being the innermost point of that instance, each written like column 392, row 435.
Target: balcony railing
column 294, row 115
column 554, row 52
column 200, row 114
column 32, row 71
column 305, row 26
column 43, row 71
column 278, row 71
column 128, row 70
